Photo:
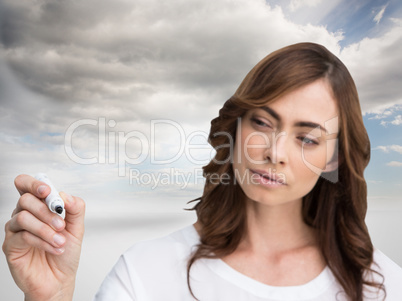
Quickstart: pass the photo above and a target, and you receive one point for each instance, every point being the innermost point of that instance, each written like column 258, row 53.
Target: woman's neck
column 278, row 248
column 276, row 229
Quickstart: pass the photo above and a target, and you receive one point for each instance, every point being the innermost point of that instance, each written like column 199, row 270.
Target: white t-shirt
column 155, row 270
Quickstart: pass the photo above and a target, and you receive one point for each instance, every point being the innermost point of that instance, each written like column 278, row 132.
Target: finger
column 40, row 210
column 75, row 214
column 24, row 239
column 25, row 221
column 25, row 183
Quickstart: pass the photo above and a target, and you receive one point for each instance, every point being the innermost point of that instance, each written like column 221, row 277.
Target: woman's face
column 282, row 148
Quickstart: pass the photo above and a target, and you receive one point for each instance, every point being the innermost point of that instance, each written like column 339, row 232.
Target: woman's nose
column 277, row 150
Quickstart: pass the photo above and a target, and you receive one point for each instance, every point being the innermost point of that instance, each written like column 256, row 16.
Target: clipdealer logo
column 112, row 148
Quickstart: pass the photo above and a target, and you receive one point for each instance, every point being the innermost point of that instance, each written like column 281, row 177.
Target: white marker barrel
column 53, row 200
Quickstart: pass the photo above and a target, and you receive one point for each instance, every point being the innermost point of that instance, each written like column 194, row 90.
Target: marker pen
column 53, row 200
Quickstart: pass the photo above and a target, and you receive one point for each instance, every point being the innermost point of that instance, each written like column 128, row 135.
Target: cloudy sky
column 86, row 86
column 107, row 96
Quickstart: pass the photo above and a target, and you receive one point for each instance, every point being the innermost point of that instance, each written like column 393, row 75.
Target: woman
column 281, row 216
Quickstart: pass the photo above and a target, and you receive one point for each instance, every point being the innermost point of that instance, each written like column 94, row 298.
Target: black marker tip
column 59, row 209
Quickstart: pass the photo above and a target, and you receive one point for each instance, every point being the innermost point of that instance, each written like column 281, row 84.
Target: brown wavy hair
column 336, row 209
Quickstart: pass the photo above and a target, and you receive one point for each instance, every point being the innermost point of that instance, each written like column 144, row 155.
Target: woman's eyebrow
column 271, row 112
column 308, row 124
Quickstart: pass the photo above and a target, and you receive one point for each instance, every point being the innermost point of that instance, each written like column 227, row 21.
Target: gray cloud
column 375, row 66
column 78, row 51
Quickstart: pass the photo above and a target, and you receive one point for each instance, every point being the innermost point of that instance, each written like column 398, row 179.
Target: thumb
column 75, row 213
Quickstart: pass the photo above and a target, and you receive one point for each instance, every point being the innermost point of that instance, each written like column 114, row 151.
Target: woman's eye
column 259, row 122
column 308, row 141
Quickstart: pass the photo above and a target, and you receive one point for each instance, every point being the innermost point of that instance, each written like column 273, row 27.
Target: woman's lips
column 268, row 178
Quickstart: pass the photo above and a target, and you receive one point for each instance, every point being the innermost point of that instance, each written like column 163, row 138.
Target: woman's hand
column 41, row 248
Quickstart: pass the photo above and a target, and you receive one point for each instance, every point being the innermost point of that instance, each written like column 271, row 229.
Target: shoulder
column 160, row 261
column 391, row 272
column 384, row 264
